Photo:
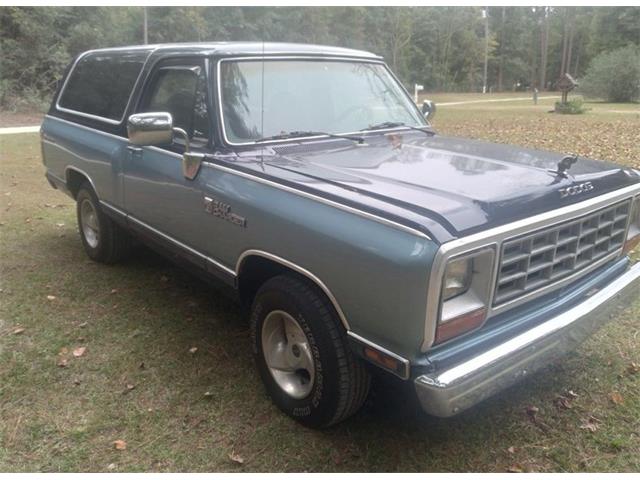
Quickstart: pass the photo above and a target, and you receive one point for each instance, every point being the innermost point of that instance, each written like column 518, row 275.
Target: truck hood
column 463, row 185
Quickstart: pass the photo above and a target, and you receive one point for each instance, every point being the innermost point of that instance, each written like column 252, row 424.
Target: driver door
column 162, row 204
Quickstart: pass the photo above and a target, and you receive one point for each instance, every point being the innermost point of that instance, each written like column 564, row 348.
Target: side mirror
column 150, row 129
column 156, row 129
column 428, row 109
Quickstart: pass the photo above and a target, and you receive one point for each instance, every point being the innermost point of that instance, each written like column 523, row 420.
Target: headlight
column 633, row 235
column 457, row 278
column 466, row 288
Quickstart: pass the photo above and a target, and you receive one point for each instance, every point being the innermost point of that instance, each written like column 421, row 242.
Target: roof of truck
column 245, row 49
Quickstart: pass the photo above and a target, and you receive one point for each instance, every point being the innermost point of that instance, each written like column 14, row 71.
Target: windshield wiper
column 383, row 125
column 308, row 133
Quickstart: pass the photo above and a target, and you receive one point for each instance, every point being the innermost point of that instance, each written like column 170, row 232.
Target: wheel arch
column 254, row 267
column 75, row 178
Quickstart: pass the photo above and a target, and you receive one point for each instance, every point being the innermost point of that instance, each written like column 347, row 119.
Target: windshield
column 309, row 95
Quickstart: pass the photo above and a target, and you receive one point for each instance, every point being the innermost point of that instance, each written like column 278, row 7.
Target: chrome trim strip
column 495, row 237
column 95, row 130
column 183, row 246
column 304, row 57
column 178, row 243
column 450, row 391
column 114, row 209
column 325, row 201
column 404, row 361
column 81, row 172
column 299, row 269
column 97, row 117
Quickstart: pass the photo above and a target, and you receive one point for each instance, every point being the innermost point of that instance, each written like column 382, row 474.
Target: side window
column 100, row 84
column 181, row 91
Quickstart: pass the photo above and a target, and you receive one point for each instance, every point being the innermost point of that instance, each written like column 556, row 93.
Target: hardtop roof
column 244, row 49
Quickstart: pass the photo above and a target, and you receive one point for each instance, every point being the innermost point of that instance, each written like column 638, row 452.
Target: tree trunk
column 501, row 64
column 544, row 44
column 565, row 44
column 577, row 64
column 569, row 49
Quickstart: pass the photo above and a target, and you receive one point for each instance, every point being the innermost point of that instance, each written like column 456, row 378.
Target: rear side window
column 100, row 84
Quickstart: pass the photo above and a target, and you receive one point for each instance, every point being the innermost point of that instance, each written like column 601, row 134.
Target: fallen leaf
column 63, row 351
column 128, row 387
column 236, row 458
column 562, row 402
column 111, row 466
column 76, row 382
column 78, row 352
column 511, row 449
column 51, row 297
column 59, row 224
column 532, row 411
column 83, row 324
column 114, row 290
column 572, row 394
column 18, row 331
column 591, row 424
column 62, row 362
column 632, row 369
column 120, row 445
column 208, row 394
column 616, row 398
column 193, row 350
column 515, row 469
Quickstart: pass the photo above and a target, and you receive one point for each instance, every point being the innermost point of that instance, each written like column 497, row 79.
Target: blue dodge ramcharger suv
column 358, row 239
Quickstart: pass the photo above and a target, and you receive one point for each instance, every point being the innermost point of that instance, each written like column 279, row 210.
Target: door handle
column 133, row 149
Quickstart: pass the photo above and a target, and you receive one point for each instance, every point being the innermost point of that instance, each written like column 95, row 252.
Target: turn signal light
column 383, row 360
column 459, row 325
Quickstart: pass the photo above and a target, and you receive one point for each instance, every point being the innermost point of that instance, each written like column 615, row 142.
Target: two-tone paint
column 368, row 224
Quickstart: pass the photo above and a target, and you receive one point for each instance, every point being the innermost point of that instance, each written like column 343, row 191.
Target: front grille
column 541, row 258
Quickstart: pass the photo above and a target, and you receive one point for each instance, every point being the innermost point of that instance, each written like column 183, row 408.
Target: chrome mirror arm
column 184, row 134
column 191, row 161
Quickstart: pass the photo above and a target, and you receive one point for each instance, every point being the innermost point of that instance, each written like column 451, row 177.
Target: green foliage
column 614, row 76
column 574, row 106
column 442, row 48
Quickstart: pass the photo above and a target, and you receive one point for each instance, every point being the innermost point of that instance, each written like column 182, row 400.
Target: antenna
column 262, row 92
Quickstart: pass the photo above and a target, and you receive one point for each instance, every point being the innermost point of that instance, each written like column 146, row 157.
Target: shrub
column 614, row 76
column 574, row 106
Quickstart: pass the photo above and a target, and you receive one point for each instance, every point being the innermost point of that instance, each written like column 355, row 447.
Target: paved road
column 10, row 130
column 517, row 99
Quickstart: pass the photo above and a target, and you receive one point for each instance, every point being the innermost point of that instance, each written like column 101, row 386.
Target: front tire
column 103, row 240
column 302, row 353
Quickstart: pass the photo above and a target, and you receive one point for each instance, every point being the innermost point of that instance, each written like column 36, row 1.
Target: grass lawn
column 178, row 409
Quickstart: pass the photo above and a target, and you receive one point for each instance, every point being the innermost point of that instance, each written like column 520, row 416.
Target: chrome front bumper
column 448, row 392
